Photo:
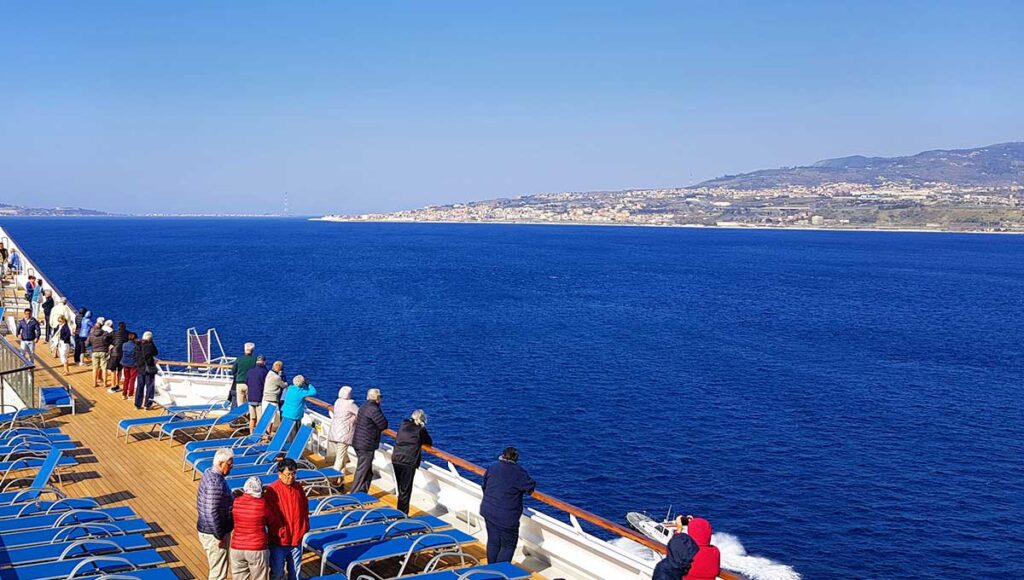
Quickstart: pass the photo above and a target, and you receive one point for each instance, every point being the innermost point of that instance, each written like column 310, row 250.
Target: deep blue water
column 846, row 403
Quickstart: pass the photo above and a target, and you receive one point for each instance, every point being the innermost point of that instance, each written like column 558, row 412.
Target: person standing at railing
column 62, row 309
column 505, row 485
column 63, row 342
column 15, row 262
column 145, row 358
column 114, row 368
column 240, row 368
column 84, row 324
column 3, row 260
column 37, row 298
column 99, row 340
column 47, row 306
column 28, row 332
column 405, row 459
column 294, row 406
column 254, row 381
column 370, row 423
column 30, row 288
column 129, row 363
column 343, row 422
column 273, row 384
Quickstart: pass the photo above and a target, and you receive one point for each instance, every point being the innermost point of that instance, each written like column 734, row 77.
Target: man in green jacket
column 241, row 366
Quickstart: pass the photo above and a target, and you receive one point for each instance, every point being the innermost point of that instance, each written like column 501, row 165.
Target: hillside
column 14, row 210
column 995, row 165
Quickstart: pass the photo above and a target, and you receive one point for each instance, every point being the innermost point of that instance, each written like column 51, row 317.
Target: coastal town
column 886, row 205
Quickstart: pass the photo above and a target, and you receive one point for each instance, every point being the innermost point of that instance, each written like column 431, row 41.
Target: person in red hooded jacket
column 707, row 563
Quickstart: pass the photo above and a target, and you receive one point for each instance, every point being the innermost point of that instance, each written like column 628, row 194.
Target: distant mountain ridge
column 995, row 165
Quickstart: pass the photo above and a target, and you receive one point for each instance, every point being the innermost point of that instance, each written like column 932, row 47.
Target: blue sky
column 373, row 106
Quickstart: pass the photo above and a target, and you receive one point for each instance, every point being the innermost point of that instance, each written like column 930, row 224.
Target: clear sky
column 372, row 106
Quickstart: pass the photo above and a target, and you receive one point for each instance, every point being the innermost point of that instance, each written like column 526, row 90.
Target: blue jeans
column 501, row 543
column 282, row 557
column 144, row 385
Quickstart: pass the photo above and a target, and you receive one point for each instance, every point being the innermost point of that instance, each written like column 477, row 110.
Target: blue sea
column 847, row 404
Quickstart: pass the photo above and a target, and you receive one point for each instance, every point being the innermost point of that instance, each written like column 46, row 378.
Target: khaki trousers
column 250, row 564
column 215, row 555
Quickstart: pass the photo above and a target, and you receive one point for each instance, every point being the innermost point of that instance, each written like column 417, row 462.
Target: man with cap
column 250, row 554
column 254, row 380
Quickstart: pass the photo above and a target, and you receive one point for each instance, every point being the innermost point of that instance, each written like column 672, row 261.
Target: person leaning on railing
column 239, row 368
column 370, row 423
column 505, row 485
column 405, row 458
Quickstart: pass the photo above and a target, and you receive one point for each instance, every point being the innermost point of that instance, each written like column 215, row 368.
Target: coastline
column 683, row 226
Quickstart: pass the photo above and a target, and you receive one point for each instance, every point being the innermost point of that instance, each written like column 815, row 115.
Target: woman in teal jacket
column 295, row 400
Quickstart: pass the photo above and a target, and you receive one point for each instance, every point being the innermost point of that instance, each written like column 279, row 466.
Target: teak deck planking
column 144, row 473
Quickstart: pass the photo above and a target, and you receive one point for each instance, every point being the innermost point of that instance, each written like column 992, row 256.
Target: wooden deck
column 145, row 474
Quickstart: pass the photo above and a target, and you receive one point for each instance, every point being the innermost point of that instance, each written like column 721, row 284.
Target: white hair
column 372, row 394
column 223, row 455
column 147, row 335
column 419, row 417
column 249, row 347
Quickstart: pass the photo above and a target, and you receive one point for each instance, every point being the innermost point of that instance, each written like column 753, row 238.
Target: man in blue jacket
column 213, row 504
column 505, row 484
column 28, row 332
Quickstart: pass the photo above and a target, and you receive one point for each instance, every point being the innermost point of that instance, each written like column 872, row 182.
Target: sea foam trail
column 734, row 558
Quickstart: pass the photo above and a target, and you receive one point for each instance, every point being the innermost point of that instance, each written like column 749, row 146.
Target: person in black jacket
column 114, row 368
column 405, row 459
column 370, row 423
column 681, row 550
column 505, row 484
column 145, row 360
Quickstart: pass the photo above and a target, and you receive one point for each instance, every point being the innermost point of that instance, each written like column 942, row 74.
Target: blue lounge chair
column 30, row 460
column 21, row 443
column 265, row 463
column 16, row 416
column 326, row 542
column 499, row 571
column 349, row 557
column 207, row 407
column 338, row 520
column 345, row 501
column 208, row 423
column 172, row 413
column 72, row 567
column 54, row 506
column 73, row 548
column 37, row 485
column 78, row 531
column 57, row 398
column 202, row 459
column 67, row 518
column 266, row 420
column 53, row 433
column 147, row 574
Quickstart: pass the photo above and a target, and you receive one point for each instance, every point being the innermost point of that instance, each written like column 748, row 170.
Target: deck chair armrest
column 89, row 542
column 94, row 559
column 463, row 556
column 37, row 491
column 106, row 530
column 64, row 500
column 73, row 513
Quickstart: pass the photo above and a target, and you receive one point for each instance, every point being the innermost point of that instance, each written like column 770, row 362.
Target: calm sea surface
column 845, row 403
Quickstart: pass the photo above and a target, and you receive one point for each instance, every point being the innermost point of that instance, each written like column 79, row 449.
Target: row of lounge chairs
column 45, row 535
column 355, row 536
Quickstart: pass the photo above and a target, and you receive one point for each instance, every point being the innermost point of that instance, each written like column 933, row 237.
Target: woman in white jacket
column 343, row 420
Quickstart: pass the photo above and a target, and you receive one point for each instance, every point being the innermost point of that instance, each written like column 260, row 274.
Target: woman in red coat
column 250, row 555
column 707, row 563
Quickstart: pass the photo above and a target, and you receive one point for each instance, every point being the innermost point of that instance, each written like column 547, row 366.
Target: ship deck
column 145, row 474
